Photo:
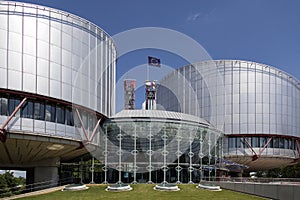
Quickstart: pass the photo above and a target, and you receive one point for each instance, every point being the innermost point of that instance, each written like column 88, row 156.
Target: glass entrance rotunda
column 159, row 146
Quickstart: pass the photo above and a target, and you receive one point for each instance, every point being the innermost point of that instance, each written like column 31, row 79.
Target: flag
column 153, row 61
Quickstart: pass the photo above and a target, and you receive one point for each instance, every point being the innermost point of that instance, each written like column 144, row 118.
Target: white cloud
column 194, row 17
column 17, row 173
column 203, row 17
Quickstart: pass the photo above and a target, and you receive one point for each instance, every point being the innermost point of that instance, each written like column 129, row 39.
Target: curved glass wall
column 155, row 150
column 54, row 53
column 48, row 117
column 271, row 144
column 259, row 101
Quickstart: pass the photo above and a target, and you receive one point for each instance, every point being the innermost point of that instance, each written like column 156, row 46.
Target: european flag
column 153, row 61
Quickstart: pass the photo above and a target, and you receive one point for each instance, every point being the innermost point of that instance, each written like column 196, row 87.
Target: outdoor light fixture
column 55, row 147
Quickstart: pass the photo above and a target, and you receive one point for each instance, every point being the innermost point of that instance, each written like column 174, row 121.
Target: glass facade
column 156, row 149
column 256, row 142
column 247, row 98
column 35, row 109
column 42, row 112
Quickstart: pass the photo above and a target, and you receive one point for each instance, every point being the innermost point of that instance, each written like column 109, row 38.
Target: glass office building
column 256, row 105
column 58, row 74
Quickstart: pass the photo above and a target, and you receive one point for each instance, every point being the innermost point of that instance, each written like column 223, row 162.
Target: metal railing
column 21, row 189
column 261, row 180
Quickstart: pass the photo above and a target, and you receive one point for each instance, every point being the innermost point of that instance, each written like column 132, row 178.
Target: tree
column 3, row 183
column 285, row 172
column 10, row 179
column 10, row 185
column 291, row 171
column 4, row 189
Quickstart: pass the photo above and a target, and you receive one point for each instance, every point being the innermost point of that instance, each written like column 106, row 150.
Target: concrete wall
column 274, row 191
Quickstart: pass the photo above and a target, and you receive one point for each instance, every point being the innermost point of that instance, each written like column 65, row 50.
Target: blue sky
column 265, row 31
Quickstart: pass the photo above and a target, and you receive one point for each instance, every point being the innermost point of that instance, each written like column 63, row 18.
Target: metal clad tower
column 129, row 96
column 261, row 114
column 150, row 88
column 57, row 85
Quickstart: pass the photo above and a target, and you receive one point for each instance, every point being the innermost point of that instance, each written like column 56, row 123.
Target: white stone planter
column 166, row 187
column 209, row 187
column 118, row 187
column 75, row 187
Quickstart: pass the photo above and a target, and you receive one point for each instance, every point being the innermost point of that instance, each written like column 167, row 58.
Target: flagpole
column 147, row 72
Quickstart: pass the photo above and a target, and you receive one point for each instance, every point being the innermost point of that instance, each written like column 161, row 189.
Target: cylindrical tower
column 258, row 108
column 57, row 83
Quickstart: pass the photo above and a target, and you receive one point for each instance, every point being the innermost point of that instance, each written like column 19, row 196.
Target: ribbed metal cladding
column 258, row 98
column 252, row 103
column 53, row 53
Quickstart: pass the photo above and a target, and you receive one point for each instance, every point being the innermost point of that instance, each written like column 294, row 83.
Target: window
column 281, row 143
column 50, row 113
column 275, row 142
column 69, row 117
column 255, row 142
column 249, row 140
column 92, row 122
column 27, row 110
column 12, row 104
column 239, row 143
column 293, row 144
column 60, row 115
column 76, row 120
column 286, row 143
column 262, row 141
column 232, row 142
column 3, row 106
column 84, row 117
column 39, row 111
column 270, row 145
column 47, row 111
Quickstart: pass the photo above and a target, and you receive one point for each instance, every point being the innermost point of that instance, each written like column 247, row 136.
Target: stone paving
column 35, row 193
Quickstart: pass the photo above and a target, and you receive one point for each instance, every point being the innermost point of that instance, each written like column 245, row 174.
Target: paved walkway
column 35, row 193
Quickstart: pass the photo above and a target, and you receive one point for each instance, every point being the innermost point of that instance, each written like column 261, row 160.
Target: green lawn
column 144, row 191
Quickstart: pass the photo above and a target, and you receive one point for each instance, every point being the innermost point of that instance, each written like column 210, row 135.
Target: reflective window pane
column 27, row 110
column 3, row 106
column 69, row 117
column 60, row 115
column 50, row 113
column 39, row 111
